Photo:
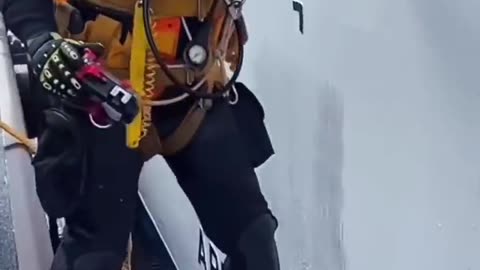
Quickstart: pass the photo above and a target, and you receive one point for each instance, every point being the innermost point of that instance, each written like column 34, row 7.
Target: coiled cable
column 187, row 90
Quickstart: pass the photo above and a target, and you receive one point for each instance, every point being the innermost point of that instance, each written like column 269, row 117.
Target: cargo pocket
column 249, row 114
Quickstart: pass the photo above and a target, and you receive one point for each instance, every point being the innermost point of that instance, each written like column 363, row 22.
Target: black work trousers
column 214, row 170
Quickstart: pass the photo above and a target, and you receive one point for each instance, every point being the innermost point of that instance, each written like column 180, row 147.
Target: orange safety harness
column 153, row 58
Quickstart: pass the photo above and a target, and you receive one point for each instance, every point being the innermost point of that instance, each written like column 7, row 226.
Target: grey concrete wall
column 8, row 259
column 374, row 113
column 375, row 116
column 24, row 239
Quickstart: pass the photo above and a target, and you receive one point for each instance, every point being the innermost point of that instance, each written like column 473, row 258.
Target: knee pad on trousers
column 256, row 249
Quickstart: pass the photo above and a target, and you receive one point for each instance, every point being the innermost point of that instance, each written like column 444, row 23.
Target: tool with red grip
column 112, row 100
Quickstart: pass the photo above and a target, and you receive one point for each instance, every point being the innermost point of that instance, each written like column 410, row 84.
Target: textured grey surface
column 305, row 116
column 30, row 235
column 8, row 253
column 403, row 181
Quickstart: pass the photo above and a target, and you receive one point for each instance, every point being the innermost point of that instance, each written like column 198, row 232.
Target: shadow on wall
column 325, row 192
column 303, row 181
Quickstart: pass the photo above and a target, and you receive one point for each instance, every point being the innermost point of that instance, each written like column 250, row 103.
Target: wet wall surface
column 374, row 113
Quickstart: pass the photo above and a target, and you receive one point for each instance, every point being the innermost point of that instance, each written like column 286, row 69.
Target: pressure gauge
column 197, row 54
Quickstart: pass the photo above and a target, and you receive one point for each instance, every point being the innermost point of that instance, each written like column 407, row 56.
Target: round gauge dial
column 197, row 54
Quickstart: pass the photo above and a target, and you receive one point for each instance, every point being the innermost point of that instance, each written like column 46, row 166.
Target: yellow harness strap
column 137, row 130
column 183, row 134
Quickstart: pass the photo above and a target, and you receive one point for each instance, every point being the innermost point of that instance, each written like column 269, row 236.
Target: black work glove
column 55, row 62
column 60, row 163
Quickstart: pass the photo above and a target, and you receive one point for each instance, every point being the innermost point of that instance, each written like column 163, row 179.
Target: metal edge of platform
column 8, row 251
column 24, row 239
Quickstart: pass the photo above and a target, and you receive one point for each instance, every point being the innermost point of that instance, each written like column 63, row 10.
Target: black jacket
column 28, row 18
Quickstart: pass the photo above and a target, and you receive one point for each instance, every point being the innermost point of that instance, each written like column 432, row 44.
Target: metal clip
column 97, row 125
column 235, row 8
column 233, row 99
column 205, row 104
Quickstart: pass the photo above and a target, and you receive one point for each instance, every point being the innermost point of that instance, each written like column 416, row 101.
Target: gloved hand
column 56, row 60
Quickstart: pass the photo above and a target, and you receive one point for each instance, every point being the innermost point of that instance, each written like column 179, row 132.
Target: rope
column 31, row 148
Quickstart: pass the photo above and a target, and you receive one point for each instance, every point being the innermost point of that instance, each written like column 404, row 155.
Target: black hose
column 198, row 94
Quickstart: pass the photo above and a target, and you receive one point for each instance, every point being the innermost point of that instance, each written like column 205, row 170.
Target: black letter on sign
column 201, row 252
column 298, row 7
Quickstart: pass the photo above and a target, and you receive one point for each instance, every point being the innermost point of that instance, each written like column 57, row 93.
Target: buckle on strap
column 205, row 103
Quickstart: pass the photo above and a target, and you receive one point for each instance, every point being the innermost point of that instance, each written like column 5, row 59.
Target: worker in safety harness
column 179, row 57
